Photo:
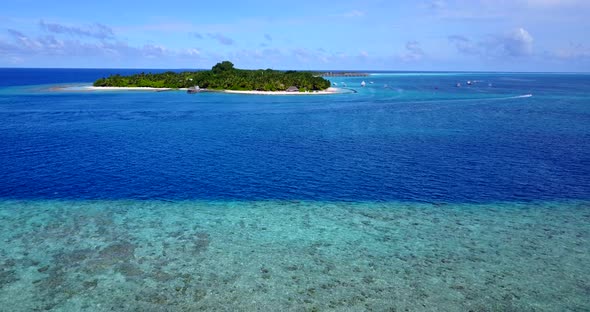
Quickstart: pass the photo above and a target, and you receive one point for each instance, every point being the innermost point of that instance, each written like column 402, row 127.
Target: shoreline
column 93, row 88
column 330, row 90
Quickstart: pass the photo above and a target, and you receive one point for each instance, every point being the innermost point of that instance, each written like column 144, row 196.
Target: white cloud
column 354, row 13
column 96, row 30
column 24, row 42
column 221, row 38
column 24, row 47
column 191, row 52
column 435, row 4
column 573, row 52
column 464, row 44
column 154, row 51
column 413, row 52
column 516, row 43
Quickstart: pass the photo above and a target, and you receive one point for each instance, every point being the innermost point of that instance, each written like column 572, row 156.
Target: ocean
column 410, row 194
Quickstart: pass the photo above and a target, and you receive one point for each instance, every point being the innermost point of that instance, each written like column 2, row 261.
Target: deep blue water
column 404, row 137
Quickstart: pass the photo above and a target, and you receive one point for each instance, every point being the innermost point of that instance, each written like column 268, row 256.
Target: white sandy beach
column 330, row 90
column 327, row 91
column 92, row 88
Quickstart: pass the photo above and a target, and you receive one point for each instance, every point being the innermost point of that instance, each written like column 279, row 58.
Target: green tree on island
column 222, row 67
column 223, row 76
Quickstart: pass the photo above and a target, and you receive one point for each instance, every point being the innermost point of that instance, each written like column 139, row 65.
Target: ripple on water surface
column 278, row 255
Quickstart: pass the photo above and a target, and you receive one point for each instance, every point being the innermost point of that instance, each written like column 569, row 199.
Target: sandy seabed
column 293, row 256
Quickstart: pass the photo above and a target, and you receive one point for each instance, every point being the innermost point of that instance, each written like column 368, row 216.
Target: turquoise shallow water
column 293, row 256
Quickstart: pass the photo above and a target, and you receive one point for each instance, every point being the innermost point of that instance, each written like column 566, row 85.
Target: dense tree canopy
column 225, row 66
column 223, row 76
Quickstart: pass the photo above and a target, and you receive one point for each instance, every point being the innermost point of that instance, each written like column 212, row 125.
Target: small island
column 222, row 77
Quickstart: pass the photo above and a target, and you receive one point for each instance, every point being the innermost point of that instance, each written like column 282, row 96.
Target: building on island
column 293, row 89
column 194, row 89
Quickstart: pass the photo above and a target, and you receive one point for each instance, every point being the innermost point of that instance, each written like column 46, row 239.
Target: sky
column 430, row 35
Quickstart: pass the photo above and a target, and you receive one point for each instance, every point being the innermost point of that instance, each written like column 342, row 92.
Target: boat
column 469, row 82
column 363, row 83
column 193, row 90
column 458, row 85
column 335, row 84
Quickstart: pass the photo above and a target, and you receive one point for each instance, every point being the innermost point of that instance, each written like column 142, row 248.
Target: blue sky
column 489, row 35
